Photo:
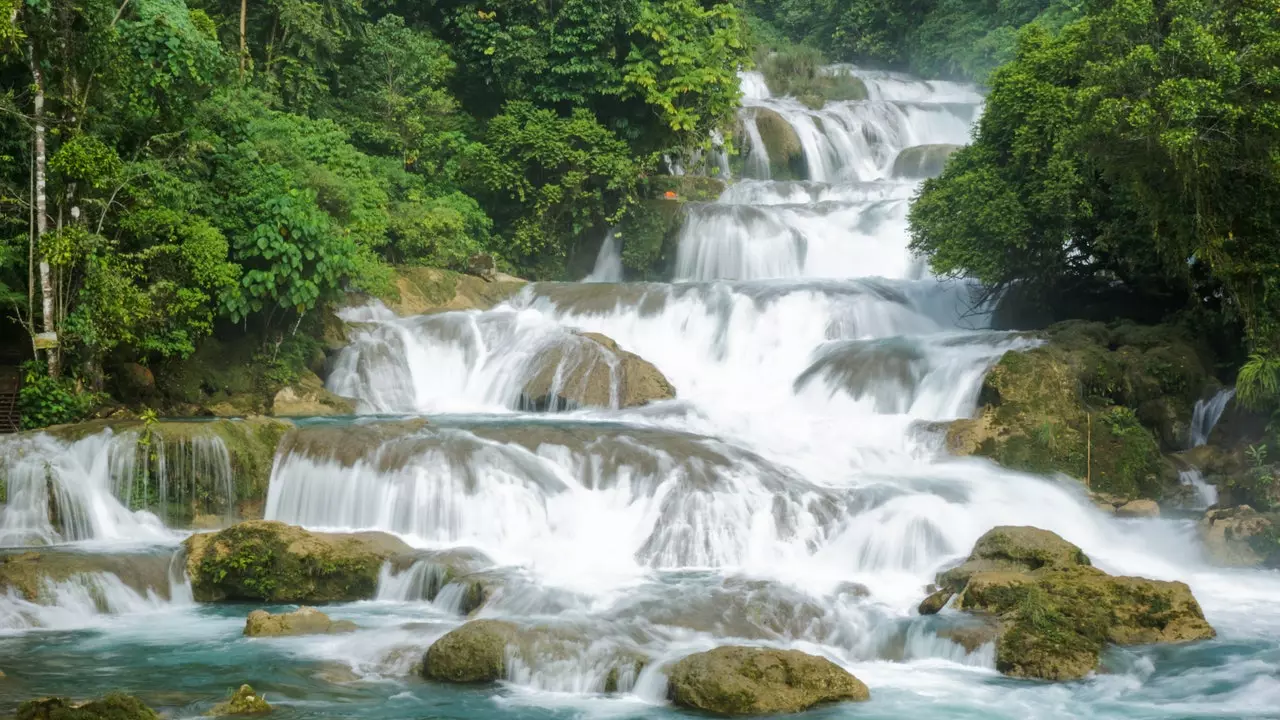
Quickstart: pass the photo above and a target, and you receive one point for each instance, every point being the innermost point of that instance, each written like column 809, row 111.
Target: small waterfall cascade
column 110, row 486
column 1206, row 414
column 608, row 267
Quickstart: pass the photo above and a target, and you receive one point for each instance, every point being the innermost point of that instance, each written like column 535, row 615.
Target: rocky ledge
column 759, row 681
column 1052, row 613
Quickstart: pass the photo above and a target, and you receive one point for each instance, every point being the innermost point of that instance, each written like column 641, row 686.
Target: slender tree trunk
column 244, row 45
column 41, row 211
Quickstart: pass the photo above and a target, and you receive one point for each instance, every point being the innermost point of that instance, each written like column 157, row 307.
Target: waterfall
column 110, row 486
column 1206, row 494
column 1206, row 414
column 608, row 267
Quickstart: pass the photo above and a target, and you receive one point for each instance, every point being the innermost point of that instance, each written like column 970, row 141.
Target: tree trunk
column 41, row 210
column 244, row 45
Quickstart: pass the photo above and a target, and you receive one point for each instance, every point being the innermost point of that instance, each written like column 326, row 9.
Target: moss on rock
column 786, row 153
column 275, row 562
column 1070, row 406
column 115, row 706
column 28, row 573
column 308, row 398
column 759, row 681
column 1056, row 613
column 1241, row 537
column 243, row 701
column 422, row 290
column 923, row 161
column 473, row 653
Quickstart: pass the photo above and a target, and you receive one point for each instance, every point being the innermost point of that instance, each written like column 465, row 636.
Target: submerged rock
column 759, row 681
column 473, row 653
column 279, row 563
column 1240, row 537
column 1054, row 612
column 111, row 707
column 304, row 621
column 923, row 161
column 308, row 398
column 242, row 702
column 1095, row 402
column 585, row 371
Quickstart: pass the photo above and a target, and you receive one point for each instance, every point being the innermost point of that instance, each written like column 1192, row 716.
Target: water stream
column 795, row 493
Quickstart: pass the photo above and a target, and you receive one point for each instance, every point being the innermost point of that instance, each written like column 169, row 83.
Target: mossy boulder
column 590, row 370
column 308, row 398
column 278, row 563
column 650, row 235
column 473, row 653
column 759, row 681
column 1097, row 402
column 923, row 161
column 243, row 701
column 423, row 290
column 1241, row 537
column 303, row 621
column 1054, row 612
column 115, row 706
column 786, row 153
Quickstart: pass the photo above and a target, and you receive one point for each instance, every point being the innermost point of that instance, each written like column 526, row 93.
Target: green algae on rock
column 473, row 653
column 243, row 701
column 422, row 290
column 923, row 161
column 308, row 398
column 28, row 574
column 1096, row 402
column 115, row 706
column 1055, row 612
column 303, row 621
column 736, row 680
column 275, row 562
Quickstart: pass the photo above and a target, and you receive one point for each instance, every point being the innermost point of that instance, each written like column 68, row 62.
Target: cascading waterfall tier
column 109, row 485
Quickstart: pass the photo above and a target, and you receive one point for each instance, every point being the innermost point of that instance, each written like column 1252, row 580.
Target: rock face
column 279, row 563
column 309, row 398
column 27, row 574
column 304, row 621
column 583, row 372
column 1139, row 509
column 421, row 290
column 1240, row 537
column 112, row 707
column 1095, row 402
column 1054, row 613
column 923, row 161
column 473, row 653
column 242, row 702
column 759, row 681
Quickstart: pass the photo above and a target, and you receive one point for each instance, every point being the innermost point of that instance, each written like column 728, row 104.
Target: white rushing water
column 1206, row 414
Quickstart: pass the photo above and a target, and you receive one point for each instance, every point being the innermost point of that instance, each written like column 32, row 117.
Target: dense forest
column 173, row 170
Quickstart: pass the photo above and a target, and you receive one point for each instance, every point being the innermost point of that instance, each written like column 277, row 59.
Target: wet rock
column 937, row 600
column 279, row 563
column 473, row 653
column 135, row 381
column 29, row 573
column 759, row 681
column 583, row 372
column 482, row 266
column 242, row 702
column 972, row 637
column 1075, row 406
column 923, row 161
column 308, row 398
column 1054, row 612
column 304, row 621
column 1139, row 509
column 786, row 153
column 1240, row 537
column 111, row 707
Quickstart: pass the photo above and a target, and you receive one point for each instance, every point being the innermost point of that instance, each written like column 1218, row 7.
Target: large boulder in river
column 1054, row 612
column 782, row 143
column 590, row 370
column 279, row 563
column 759, row 681
column 1240, row 537
column 115, row 706
column 303, row 621
column 923, row 161
column 1095, row 402
column 473, row 653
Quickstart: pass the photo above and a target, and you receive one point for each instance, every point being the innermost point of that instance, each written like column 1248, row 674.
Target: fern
column 1258, row 383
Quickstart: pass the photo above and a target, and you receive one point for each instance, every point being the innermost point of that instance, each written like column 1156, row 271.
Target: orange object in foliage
column 670, row 194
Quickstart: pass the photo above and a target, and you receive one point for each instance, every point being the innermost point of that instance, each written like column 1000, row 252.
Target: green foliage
column 45, row 401
column 1112, row 154
column 1258, row 383
column 560, row 176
